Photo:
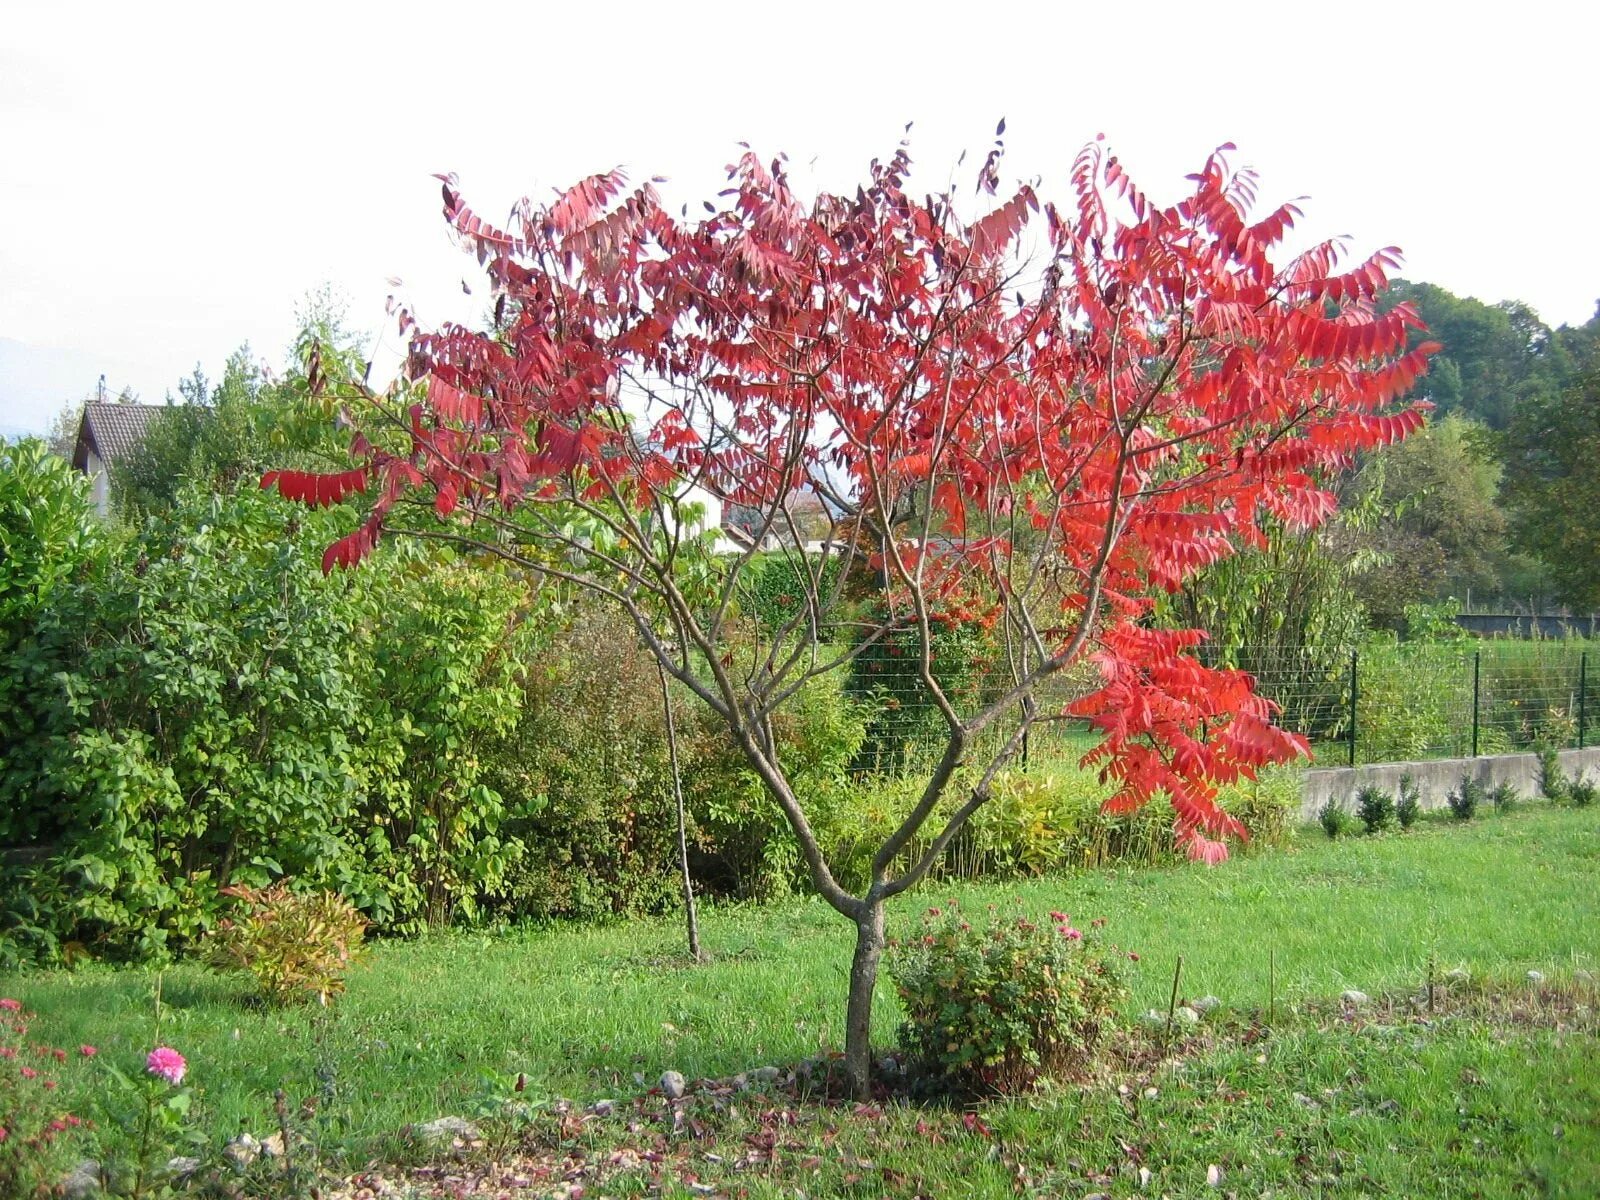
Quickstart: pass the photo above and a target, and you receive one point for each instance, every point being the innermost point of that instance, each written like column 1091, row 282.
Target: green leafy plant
column 1504, row 797
column 993, row 1005
column 1583, row 791
column 1466, row 797
column 1333, row 819
column 1554, row 783
column 1408, row 805
column 153, row 1111
column 298, row 945
column 1375, row 807
column 203, row 708
column 1267, row 805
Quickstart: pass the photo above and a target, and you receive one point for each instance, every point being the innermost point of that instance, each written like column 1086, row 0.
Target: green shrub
column 1267, row 806
column 1465, row 799
column 1504, row 797
column 443, row 693
column 1554, row 784
column 1583, row 791
column 587, row 773
column 773, row 591
column 1408, row 806
column 220, row 712
column 1375, row 807
column 1039, row 821
column 993, row 1005
column 49, row 538
column 1333, row 819
column 298, row 945
column 201, row 729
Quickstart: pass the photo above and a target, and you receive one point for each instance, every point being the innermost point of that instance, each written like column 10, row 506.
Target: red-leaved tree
column 1044, row 438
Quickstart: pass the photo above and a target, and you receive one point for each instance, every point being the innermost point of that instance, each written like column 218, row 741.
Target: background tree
column 1493, row 356
column 1438, row 529
column 215, row 434
column 1047, row 444
column 1553, row 488
column 1501, row 368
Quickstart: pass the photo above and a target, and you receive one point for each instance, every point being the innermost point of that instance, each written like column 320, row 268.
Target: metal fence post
column 1353, row 654
column 1477, row 664
column 1583, row 696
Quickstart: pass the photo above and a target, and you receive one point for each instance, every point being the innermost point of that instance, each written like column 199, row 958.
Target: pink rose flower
column 11, row 1005
column 88, row 1051
column 166, row 1063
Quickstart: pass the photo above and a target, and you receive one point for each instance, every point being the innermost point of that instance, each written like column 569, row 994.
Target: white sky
column 175, row 178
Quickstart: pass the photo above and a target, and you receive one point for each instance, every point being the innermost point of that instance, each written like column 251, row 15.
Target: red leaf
column 315, row 490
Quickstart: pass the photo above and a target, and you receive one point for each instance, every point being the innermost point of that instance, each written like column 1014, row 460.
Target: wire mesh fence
column 1381, row 703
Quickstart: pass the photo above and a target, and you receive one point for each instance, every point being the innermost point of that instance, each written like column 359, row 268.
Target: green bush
column 445, row 690
column 1553, row 782
column 1376, row 808
column 1413, row 697
column 1583, row 791
column 1504, row 797
column 1408, row 806
column 1333, row 819
column 1053, row 817
column 904, row 723
column 745, row 846
column 1465, row 799
column 48, row 539
column 993, row 1005
column 588, row 777
column 773, row 592
column 1268, row 806
column 222, row 713
column 201, row 729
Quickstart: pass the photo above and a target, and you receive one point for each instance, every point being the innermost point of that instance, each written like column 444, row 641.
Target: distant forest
column 1496, row 503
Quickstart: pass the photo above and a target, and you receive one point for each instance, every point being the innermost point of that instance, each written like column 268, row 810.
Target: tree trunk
column 858, row 1014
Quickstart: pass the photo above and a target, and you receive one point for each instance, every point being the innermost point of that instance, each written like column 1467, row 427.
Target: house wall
column 99, row 484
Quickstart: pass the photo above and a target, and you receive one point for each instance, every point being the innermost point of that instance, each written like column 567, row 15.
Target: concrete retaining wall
column 1435, row 779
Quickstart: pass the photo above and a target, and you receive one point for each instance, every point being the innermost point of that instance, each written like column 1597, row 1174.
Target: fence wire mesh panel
column 1381, row 703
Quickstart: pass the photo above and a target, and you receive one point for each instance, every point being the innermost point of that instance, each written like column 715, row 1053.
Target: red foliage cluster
column 1121, row 411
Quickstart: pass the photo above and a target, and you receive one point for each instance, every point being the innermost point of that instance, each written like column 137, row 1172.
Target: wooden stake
column 1172, row 1003
column 1272, row 985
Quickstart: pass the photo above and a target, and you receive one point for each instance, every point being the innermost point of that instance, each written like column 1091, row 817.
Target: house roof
column 112, row 431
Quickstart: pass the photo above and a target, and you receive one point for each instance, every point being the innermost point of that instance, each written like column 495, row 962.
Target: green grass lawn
column 593, row 1012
